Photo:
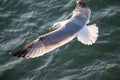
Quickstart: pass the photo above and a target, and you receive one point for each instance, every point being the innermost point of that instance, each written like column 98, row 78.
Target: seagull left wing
column 44, row 44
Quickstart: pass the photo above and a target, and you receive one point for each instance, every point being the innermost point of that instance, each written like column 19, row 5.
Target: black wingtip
column 20, row 53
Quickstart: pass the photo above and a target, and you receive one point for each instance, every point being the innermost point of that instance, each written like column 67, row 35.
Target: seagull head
column 81, row 4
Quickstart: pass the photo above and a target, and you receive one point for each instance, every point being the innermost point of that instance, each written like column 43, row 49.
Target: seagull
column 61, row 33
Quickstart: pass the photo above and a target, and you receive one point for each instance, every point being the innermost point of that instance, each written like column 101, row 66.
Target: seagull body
column 64, row 32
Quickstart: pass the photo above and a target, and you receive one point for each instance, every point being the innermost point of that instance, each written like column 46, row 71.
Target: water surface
column 22, row 21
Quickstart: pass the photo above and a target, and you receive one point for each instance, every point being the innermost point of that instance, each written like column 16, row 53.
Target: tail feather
column 88, row 34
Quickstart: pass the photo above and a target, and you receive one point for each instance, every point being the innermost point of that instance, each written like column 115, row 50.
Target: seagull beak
column 51, row 28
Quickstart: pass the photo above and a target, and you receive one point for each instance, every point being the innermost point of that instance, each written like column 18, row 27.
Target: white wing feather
column 88, row 34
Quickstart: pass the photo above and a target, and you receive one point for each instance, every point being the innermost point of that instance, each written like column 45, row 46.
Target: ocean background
column 22, row 21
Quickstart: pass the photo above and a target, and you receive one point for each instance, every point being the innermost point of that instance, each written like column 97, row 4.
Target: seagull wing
column 44, row 44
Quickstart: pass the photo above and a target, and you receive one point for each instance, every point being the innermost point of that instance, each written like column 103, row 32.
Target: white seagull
column 63, row 32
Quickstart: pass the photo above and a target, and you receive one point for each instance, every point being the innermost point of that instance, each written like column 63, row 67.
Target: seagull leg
column 51, row 28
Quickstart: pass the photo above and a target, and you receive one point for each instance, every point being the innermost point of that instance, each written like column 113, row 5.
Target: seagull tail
column 88, row 34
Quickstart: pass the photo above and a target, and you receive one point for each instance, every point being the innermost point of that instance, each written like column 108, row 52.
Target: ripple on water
column 9, row 65
column 21, row 21
column 106, row 13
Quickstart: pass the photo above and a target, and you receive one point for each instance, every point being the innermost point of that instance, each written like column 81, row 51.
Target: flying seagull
column 62, row 33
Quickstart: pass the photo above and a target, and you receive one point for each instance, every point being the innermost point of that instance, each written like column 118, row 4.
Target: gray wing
column 44, row 44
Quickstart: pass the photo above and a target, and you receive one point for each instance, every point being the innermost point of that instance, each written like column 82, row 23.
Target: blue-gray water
column 22, row 21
